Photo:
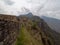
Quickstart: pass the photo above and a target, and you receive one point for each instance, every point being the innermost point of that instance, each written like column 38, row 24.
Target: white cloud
column 50, row 7
column 8, row 2
column 18, row 4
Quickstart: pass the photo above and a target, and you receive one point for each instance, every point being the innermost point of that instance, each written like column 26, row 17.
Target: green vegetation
column 25, row 38
column 31, row 34
column 20, row 38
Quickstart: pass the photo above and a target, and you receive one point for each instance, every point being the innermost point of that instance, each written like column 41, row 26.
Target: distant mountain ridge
column 53, row 23
column 27, row 15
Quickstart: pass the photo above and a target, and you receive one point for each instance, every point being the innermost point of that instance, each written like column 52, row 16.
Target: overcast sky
column 49, row 8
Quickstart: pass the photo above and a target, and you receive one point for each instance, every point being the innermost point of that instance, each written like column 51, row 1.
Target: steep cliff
column 9, row 27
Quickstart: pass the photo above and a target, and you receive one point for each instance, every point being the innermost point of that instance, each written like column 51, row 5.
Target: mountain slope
column 53, row 23
column 29, row 31
column 32, row 32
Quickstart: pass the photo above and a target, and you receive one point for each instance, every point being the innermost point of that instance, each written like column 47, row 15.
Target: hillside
column 33, row 32
column 53, row 23
column 9, row 27
column 25, row 30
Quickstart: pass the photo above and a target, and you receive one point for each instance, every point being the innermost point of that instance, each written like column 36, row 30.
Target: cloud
column 50, row 7
column 7, row 9
column 1, row 10
column 8, row 2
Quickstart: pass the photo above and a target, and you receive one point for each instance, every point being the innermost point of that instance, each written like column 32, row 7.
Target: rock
column 9, row 27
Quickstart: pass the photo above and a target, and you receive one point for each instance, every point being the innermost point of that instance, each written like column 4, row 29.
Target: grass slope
column 25, row 38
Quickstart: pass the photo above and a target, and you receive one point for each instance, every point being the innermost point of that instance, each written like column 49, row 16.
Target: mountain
column 26, row 30
column 28, row 15
column 35, row 31
column 31, row 33
column 53, row 23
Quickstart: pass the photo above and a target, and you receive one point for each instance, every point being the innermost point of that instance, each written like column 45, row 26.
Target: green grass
column 20, row 38
column 25, row 37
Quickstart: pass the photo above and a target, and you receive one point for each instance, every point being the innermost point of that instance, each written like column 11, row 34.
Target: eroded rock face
column 9, row 27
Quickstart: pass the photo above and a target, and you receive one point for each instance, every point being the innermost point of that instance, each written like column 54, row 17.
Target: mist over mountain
column 53, row 23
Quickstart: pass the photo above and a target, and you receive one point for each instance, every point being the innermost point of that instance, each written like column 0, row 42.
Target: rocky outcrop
column 9, row 27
